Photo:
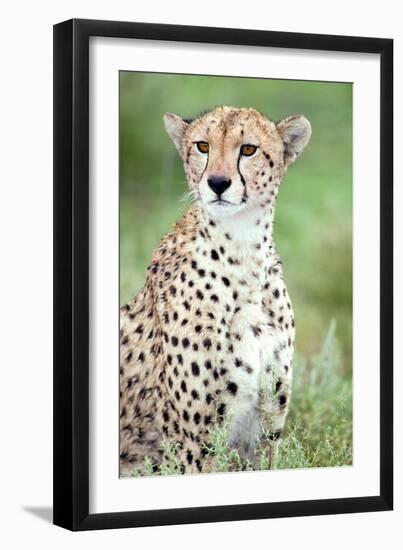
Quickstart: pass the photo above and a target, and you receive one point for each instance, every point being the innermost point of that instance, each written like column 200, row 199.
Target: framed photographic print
column 223, row 317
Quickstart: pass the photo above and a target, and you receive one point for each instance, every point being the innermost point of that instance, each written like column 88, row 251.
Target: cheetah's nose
column 218, row 184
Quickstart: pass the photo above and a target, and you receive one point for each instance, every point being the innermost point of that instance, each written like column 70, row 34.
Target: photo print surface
column 235, row 274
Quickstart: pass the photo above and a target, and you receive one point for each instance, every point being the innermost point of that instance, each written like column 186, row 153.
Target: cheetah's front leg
column 244, row 414
column 275, row 388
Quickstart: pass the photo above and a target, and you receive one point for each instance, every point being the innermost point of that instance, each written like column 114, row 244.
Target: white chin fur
column 219, row 211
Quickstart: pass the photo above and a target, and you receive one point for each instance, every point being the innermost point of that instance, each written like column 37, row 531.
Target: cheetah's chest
column 252, row 369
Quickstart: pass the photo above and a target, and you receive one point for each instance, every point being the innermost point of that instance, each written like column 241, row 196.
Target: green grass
column 319, row 426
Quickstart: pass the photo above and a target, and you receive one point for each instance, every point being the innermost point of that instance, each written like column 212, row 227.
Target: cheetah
column 213, row 325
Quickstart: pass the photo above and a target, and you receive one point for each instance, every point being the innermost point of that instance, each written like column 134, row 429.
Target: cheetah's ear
column 176, row 127
column 295, row 131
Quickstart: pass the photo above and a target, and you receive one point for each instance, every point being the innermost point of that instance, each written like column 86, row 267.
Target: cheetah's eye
column 248, row 150
column 202, row 146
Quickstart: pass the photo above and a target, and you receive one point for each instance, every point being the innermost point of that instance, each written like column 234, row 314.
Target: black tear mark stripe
column 245, row 194
column 239, row 171
column 205, row 168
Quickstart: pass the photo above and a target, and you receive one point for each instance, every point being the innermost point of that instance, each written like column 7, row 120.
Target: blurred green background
column 313, row 228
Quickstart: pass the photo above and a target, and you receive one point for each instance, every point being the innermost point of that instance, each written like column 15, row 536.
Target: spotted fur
column 210, row 335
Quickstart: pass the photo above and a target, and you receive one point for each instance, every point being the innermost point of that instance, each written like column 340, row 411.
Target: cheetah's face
column 234, row 159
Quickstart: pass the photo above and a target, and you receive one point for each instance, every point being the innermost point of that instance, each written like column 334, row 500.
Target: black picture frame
column 71, row 274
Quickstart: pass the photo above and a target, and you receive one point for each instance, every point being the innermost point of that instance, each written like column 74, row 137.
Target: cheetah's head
column 235, row 159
